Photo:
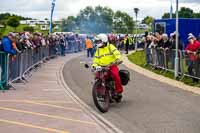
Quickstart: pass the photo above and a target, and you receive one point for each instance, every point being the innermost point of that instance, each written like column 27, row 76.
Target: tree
column 186, row 13
column 69, row 24
column 98, row 20
column 123, row 23
column 167, row 15
column 5, row 16
column 28, row 28
column 95, row 20
column 197, row 15
column 183, row 13
column 148, row 20
column 13, row 22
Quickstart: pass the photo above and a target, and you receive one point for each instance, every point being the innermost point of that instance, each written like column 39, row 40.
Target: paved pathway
column 42, row 105
column 148, row 106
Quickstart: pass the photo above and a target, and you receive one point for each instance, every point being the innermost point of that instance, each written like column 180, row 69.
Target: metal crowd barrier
column 165, row 60
column 3, row 69
column 14, row 67
column 190, row 68
column 72, row 46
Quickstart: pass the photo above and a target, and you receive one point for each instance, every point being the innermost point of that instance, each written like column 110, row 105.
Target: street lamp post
column 136, row 10
column 177, row 41
column 171, row 10
column 51, row 18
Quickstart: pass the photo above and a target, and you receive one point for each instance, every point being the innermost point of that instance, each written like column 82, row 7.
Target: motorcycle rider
column 107, row 54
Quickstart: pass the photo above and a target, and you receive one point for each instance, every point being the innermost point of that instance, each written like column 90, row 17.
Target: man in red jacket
column 192, row 49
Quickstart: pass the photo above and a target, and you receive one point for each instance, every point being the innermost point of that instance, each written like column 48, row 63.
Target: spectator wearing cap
column 7, row 43
column 192, row 50
column 173, row 42
column 173, row 47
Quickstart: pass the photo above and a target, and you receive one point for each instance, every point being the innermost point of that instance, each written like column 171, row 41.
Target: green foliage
column 186, row 13
column 20, row 28
column 167, row 15
column 69, row 24
column 28, row 28
column 183, row 13
column 138, row 58
column 5, row 16
column 148, row 20
column 13, row 22
column 123, row 23
column 97, row 20
column 196, row 15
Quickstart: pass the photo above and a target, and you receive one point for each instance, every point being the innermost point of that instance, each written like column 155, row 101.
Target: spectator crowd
column 34, row 46
column 160, row 53
column 159, row 48
column 18, row 42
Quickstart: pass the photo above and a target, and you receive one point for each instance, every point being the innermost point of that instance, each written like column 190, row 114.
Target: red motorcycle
column 103, row 90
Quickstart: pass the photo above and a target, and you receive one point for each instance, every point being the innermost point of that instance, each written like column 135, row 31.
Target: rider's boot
column 117, row 96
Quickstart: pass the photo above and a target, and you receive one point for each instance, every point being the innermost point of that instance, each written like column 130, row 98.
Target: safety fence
column 164, row 59
column 3, row 69
column 74, row 46
column 15, row 67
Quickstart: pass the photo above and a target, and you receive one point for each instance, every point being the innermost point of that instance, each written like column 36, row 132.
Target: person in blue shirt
column 7, row 42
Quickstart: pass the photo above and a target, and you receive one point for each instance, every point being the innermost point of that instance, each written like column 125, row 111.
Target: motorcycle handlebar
column 106, row 68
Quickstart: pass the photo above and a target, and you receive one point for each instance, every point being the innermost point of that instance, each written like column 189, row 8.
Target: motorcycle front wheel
column 101, row 97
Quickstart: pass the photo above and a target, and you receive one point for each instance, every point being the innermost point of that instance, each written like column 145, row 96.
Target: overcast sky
column 41, row 8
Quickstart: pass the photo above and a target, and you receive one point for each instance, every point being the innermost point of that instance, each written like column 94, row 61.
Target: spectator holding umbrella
column 192, row 50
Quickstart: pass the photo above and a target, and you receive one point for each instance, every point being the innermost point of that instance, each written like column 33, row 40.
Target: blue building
column 186, row 26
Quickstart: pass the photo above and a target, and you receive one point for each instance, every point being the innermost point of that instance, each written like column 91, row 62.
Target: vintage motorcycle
column 103, row 90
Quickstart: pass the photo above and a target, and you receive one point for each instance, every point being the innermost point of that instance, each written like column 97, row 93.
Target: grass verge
column 138, row 58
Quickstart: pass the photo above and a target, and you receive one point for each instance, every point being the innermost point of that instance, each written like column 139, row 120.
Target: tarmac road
column 148, row 106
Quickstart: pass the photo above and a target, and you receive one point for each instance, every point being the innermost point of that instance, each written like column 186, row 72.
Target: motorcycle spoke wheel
column 101, row 97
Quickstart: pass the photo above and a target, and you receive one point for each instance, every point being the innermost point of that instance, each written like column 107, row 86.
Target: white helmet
column 102, row 37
